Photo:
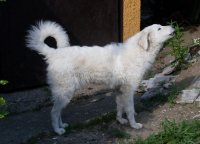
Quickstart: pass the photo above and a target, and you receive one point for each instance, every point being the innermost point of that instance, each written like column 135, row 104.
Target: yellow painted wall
column 130, row 18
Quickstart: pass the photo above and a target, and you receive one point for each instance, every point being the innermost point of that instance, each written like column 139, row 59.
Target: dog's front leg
column 128, row 102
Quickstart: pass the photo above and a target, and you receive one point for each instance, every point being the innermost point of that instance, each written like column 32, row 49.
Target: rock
column 151, row 93
column 196, row 116
column 144, row 83
column 188, row 96
column 199, row 52
column 159, row 81
column 193, row 61
column 188, row 57
column 197, row 101
column 193, row 50
column 172, row 59
column 196, row 83
column 155, row 85
column 167, row 85
column 168, row 70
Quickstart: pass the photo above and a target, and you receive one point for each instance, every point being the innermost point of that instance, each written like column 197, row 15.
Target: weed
column 185, row 132
column 174, row 91
column 3, row 101
column 179, row 51
column 114, row 132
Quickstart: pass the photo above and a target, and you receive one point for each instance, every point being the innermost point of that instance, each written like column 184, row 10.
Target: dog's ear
column 143, row 41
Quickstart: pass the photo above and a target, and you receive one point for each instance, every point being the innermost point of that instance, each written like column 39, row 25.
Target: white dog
column 122, row 65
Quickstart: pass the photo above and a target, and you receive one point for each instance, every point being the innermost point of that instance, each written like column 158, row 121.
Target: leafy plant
column 2, row 101
column 185, row 132
column 179, row 51
column 3, row 82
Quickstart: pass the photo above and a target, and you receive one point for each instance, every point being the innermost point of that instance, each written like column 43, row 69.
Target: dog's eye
column 159, row 29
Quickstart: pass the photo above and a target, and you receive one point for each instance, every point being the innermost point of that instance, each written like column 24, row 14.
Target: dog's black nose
column 173, row 33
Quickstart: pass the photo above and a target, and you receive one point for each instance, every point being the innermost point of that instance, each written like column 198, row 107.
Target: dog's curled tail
column 37, row 34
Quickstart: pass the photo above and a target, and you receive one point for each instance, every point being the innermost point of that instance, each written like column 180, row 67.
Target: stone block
column 188, row 96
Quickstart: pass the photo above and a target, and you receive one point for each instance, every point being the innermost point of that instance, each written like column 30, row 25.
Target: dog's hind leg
column 56, row 115
column 120, row 110
column 60, row 101
column 61, row 124
column 128, row 102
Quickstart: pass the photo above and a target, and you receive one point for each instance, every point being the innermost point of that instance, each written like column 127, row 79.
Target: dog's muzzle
column 173, row 34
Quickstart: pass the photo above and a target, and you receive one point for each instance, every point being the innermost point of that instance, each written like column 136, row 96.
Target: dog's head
column 155, row 35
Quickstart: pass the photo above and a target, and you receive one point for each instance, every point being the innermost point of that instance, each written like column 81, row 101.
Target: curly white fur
column 115, row 65
column 37, row 35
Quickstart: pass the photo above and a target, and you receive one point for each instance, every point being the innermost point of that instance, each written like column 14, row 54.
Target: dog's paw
column 137, row 125
column 64, row 125
column 60, row 131
column 122, row 120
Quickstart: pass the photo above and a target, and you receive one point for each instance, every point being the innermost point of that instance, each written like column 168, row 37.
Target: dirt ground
column 97, row 101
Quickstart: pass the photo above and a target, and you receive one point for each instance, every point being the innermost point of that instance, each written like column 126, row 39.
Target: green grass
column 118, row 133
column 174, row 91
column 101, row 120
column 185, row 132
